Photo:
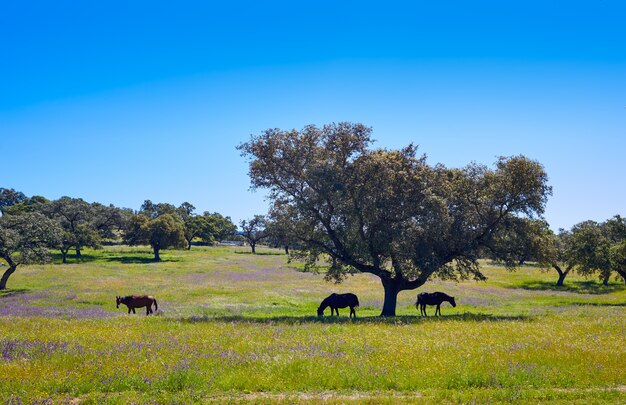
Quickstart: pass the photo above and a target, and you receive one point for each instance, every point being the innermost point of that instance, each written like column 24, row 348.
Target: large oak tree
column 388, row 212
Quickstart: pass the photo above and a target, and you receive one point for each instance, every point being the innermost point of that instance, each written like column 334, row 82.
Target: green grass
column 236, row 327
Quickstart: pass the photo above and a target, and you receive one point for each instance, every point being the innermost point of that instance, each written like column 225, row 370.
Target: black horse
column 335, row 301
column 435, row 298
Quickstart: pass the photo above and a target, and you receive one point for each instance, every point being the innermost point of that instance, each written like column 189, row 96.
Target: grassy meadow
column 236, row 327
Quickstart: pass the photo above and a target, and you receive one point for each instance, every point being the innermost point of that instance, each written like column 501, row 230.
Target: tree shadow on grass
column 11, row 292
column 579, row 287
column 123, row 258
column 396, row 320
column 600, row 304
column 248, row 252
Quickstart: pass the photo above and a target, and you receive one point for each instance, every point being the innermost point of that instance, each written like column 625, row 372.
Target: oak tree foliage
column 388, row 212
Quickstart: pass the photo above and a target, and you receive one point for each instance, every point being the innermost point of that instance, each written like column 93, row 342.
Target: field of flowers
column 237, row 327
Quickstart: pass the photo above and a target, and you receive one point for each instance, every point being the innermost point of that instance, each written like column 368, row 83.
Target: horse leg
column 438, row 310
column 129, row 309
column 134, row 311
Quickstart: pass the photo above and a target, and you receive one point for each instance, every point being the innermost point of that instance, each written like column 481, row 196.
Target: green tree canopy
column 25, row 239
column 75, row 217
column 162, row 232
column 388, row 212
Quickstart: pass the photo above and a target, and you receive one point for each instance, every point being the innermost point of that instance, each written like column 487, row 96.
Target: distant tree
column 165, row 231
column 533, row 240
column 32, row 204
column 107, row 220
column 559, row 253
column 615, row 231
column 600, row 248
column 254, row 230
column 151, row 210
column 25, row 239
column 75, row 217
column 220, row 227
column 198, row 226
column 278, row 230
column 9, row 197
column 387, row 212
column 193, row 224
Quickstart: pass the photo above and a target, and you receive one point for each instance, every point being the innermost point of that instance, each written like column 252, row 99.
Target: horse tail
column 418, row 301
column 357, row 301
column 156, row 306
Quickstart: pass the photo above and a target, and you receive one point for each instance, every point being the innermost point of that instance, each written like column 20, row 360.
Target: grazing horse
column 435, row 298
column 336, row 301
column 137, row 301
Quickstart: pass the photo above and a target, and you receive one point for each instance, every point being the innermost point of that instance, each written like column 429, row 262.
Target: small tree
column 25, row 239
column 254, row 231
column 162, row 232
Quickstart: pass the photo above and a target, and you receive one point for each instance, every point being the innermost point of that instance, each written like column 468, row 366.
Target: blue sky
column 125, row 101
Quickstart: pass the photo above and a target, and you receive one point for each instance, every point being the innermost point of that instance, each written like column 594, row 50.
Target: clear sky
column 123, row 101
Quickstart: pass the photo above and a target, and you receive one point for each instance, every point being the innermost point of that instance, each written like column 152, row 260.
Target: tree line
column 32, row 226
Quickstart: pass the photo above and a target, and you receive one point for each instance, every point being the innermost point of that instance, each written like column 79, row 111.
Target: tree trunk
column 286, row 249
column 78, row 255
column 253, row 246
column 6, row 275
column 562, row 276
column 391, row 297
column 188, row 244
column 157, row 258
column 64, row 255
column 605, row 280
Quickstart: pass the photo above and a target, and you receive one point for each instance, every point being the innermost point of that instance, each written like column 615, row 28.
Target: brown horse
column 137, row 301
column 336, row 301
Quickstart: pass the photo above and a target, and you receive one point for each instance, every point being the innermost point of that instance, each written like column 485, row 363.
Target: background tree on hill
column 25, row 239
column 388, row 212
column 162, row 232
column 254, row 230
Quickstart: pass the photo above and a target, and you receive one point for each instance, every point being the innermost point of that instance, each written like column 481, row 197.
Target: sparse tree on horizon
column 254, row 230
